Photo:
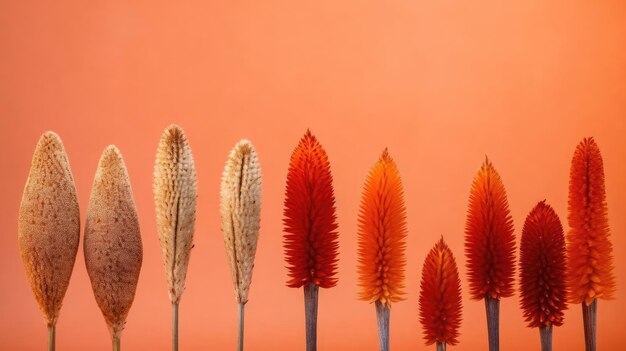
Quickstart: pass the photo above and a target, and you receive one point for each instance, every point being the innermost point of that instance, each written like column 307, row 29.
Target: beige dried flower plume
column 49, row 225
column 175, row 202
column 240, row 208
column 113, row 249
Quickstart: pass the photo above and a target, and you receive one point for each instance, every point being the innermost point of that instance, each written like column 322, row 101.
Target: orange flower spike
column 311, row 238
column 489, row 238
column 440, row 296
column 590, row 257
column 381, row 234
column 542, row 268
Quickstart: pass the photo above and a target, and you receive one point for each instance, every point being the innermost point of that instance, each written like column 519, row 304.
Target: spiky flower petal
column 49, row 225
column 382, row 234
column 310, row 239
column 240, row 209
column 489, row 238
column 542, row 268
column 440, row 296
column 590, row 253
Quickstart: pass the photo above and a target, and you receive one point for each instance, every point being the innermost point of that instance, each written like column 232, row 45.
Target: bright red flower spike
column 381, row 234
column 590, row 253
column 310, row 239
column 440, row 296
column 489, row 238
column 542, row 268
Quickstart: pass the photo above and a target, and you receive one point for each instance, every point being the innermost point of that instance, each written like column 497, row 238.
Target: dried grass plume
column 175, row 195
column 240, row 207
column 113, row 249
column 49, row 225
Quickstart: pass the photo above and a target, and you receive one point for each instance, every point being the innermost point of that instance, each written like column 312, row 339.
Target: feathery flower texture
column 240, row 208
column 49, row 225
column 440, row 296
column 112, row 247
column 310, row 239
column 542, row 268
column 489, row 238
column 590, row 257
column 175, row 203
column 381, row 234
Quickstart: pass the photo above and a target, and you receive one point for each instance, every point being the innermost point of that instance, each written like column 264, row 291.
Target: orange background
column 441, row 83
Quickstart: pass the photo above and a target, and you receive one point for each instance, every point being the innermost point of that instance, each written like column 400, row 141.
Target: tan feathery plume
column 175, row 203
column 113, row 249
column 240, row 207
column 49, row 228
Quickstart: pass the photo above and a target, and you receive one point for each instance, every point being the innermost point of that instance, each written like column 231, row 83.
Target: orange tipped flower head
column 310, row 239
column 381, row 234
column 489, row 238
column 542, row 265
column 589, row 250
column 440, row 296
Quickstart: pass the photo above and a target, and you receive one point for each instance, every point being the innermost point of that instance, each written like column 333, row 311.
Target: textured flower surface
column 310, row 223
column 440, row 296
column 489, row 237
column 542, row 268
column 381, row 234
column 590, row 253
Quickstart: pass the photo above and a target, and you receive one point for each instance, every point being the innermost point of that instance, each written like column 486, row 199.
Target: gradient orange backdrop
column 441, row 83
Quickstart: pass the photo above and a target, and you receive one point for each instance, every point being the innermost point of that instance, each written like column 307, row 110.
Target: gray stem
column 240, row 329
column 382, row 318
column 441, row 346
column 492, row 306
column 311, row 292
column 545, row 333
column 174, row 326
column 51, row 337
column 590, row 315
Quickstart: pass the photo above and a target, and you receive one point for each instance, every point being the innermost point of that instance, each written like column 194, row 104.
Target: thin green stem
column 175, row 326
column 51, row 337
column 240, row 329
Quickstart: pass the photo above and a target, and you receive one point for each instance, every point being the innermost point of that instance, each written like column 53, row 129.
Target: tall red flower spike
column 542, row 268
column 589, row 250
column 381, row 234
column 440, row 296
column 489, row 238
column 311, row 236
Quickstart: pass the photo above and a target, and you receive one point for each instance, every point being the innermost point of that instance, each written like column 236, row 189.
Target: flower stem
column 590, row 315
column 441, row 346
column 545, row 334
column 240, row 333
column 492, row 306
column 311, row 293
column 51, row 337
column 116, row 341
column 382, row 318
column 175, row 326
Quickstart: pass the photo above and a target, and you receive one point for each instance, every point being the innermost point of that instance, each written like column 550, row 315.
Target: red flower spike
column 381, row 234
column 542, row 268
column 440, row 296
column 590, row 258
column 311, row 238
column 489, row 238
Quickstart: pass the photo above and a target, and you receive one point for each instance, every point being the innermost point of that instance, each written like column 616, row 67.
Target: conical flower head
column 589, row 250
column 382, row 234
column 489, row 237
column 113, row 249
column 49, row 225
column 240, row 209
column 440, row 296
column 175, row 195
column 542, row 268
column 310, row 223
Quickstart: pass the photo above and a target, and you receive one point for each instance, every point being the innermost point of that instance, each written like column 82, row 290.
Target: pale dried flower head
column 240, row 208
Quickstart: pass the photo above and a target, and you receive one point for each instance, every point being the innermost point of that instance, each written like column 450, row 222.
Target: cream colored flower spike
column 175, row 202
column 113, row 249
column 240, row 211
column 49, row 225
